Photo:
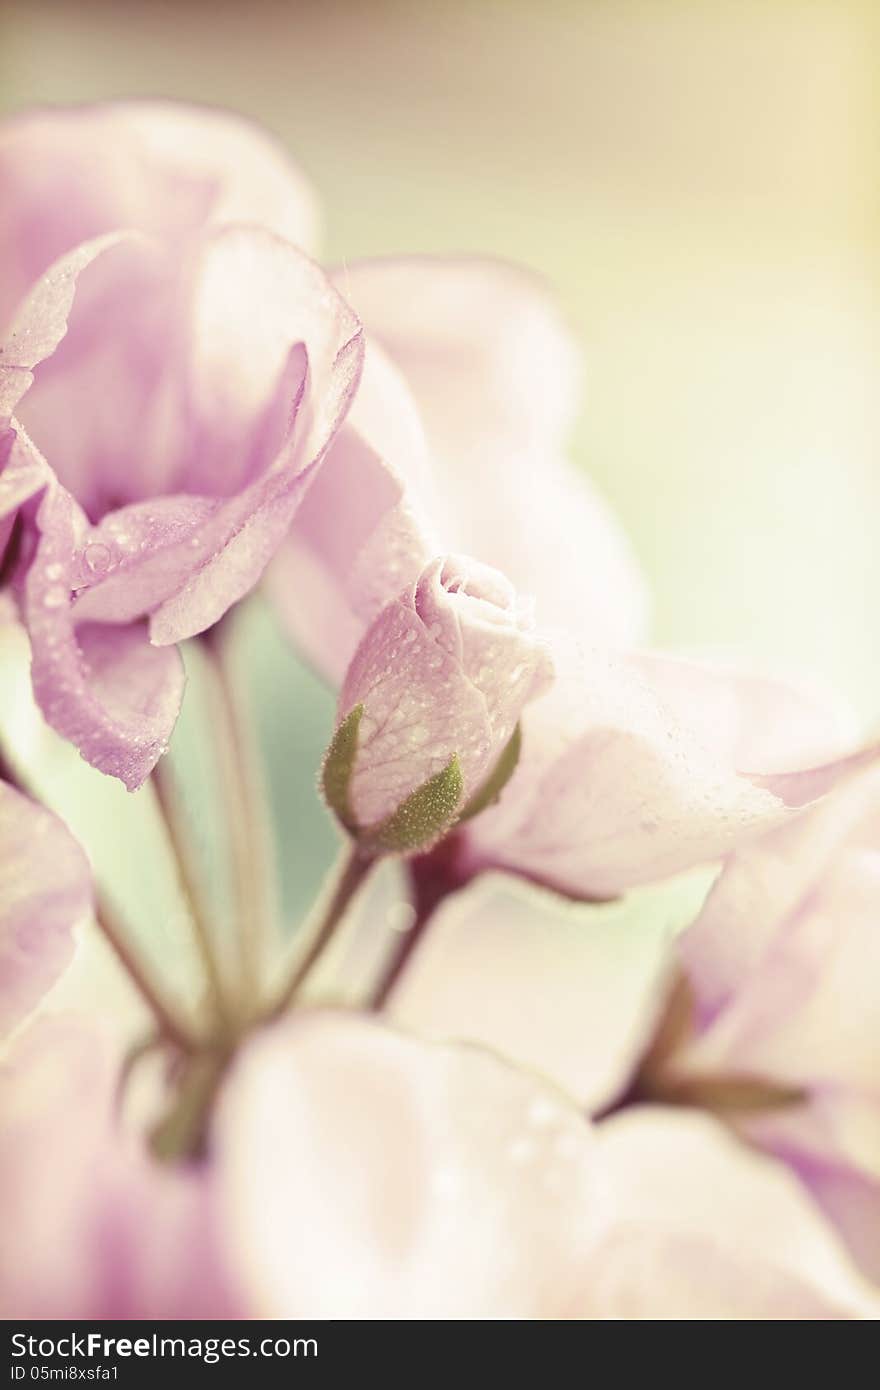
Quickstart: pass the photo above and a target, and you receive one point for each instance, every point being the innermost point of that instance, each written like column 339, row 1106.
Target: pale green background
column 699, row 182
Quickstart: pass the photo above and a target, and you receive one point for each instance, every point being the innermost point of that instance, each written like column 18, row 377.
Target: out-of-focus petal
column 45, row 890
column 495, row 376
column 707, row 1229
column 367, row 1175
column 758, row 724
column 72, row 173
column 92, row 1227
column 833, row 1146
column 567, row 990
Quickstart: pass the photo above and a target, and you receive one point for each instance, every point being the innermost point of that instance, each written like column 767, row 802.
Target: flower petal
column 359, row 535
column 708, row 1229
column 45, row 890
column 366, row 1175
column 566, row 990
column 161, row 167
column 494, row 375
column 104, row 688
column 106, row 1232
column 612, row 790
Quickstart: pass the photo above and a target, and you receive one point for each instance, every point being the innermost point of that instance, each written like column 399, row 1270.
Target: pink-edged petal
column 45, row 890
column 765, row 883
column 758, row 724
column 707, row 1229
column 833, row 1146
column 567, row 991
column 360, row 534
column 166, row 168
column 105, row 688
column 495, row 375
column 612, row 790
column 92, row 1227
column 41, row 320
column 806, row 1013
column 367, row 1175
column 246, row 531
column 168, row 401
column 22, row 472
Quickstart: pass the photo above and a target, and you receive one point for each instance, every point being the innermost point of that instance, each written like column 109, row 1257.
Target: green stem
column 353, row 870
column 173, row 1028
column 247, row 821
column 171, row 809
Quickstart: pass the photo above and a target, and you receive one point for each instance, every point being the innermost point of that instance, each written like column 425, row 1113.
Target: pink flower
column 354, row 1172
column 442, row 674
column 456, row 442
column 167, row 391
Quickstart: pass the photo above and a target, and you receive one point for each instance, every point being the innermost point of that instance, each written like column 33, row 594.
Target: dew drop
column 400, row 917
column 97, row 558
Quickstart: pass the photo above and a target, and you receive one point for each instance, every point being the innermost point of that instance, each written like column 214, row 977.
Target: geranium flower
column 166, row 393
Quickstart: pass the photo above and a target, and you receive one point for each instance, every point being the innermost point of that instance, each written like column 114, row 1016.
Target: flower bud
column 430, row 705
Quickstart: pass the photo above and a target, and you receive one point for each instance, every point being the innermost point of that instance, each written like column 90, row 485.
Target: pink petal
column 612, row 790
column 359, row 535
column 92, row 1227
column 756, row 723
column 45, row 890
column 706, row 1229
column 494, row 375
column 70, row 174
column 833, row 1145
column 104, row 688
column 764, row 885
column 277, row 382
column 569, row 992
column 367, row 1176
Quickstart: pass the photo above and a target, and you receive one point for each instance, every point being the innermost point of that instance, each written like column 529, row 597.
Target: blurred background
column 699, row 183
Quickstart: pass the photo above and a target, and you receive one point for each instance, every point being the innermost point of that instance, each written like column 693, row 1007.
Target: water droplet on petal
column 97, row 558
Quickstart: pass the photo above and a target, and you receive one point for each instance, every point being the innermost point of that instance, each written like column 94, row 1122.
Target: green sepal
column 425, row 815
column 339, row 765
column 498, row 778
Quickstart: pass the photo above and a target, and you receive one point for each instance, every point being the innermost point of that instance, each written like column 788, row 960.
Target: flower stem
column 245, row 806
column 174, row 1028
column 353, row 870
column 432, row 878
column 171, row 809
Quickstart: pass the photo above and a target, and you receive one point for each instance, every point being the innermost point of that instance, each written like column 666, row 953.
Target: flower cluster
column 545, row 1100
